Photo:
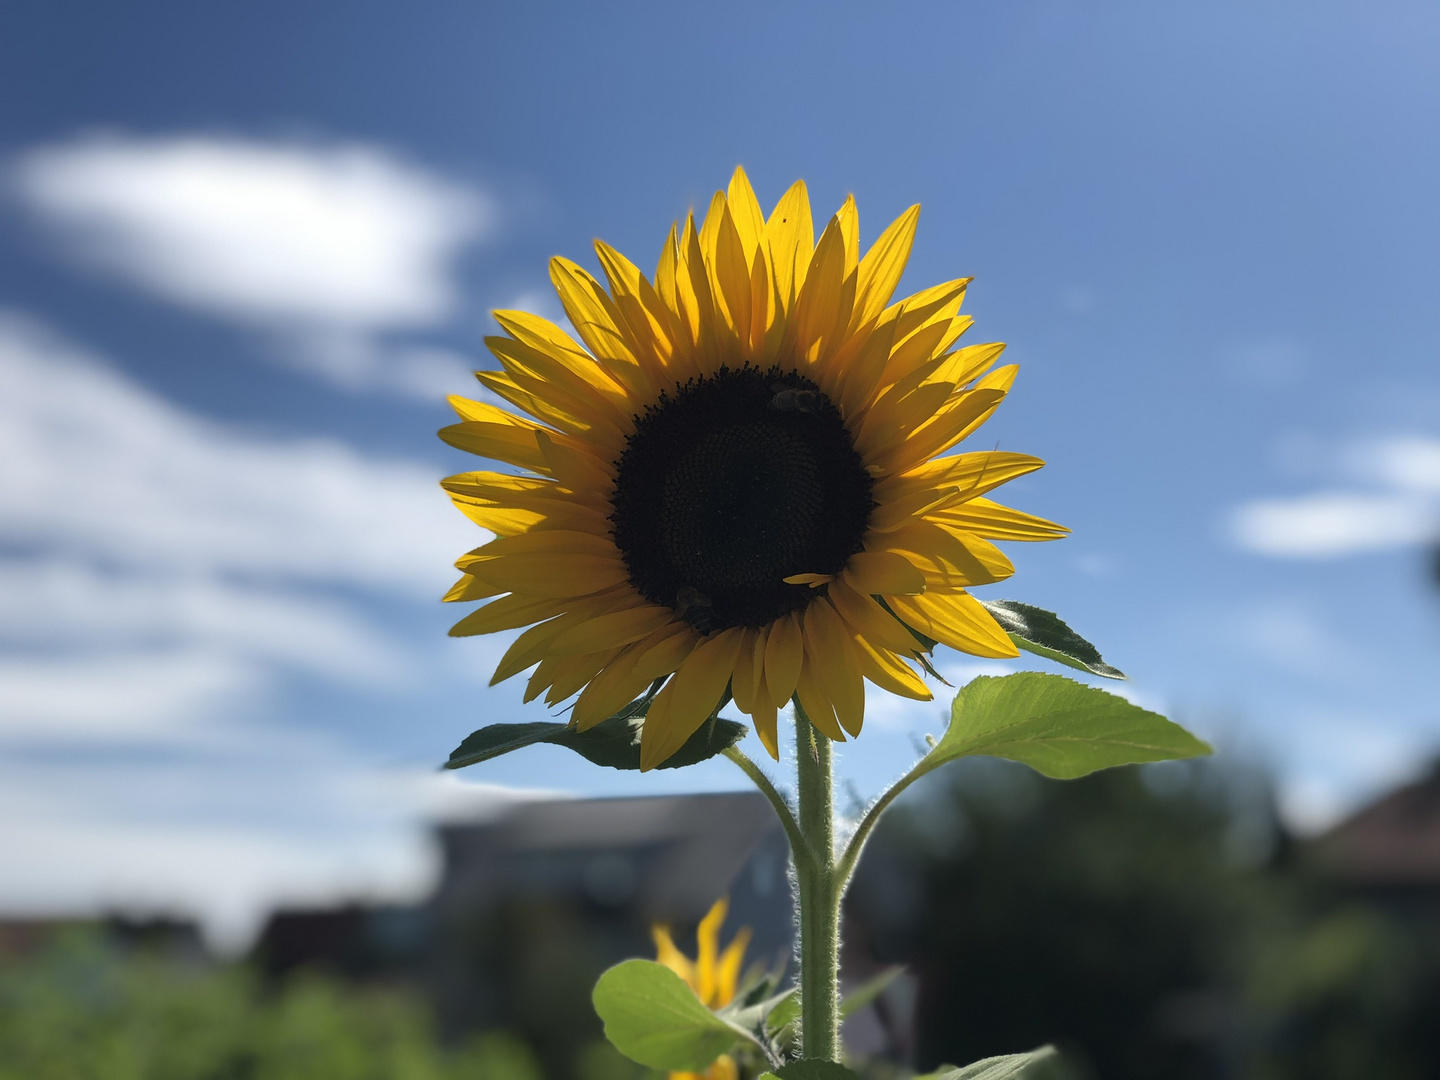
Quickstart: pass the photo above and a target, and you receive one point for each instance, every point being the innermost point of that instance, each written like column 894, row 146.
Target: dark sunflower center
column 730, row 485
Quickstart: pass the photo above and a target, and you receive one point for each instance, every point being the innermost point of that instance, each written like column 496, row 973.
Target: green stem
column 820, row 890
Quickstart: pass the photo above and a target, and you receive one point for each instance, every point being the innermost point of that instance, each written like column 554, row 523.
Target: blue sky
column 245, row 251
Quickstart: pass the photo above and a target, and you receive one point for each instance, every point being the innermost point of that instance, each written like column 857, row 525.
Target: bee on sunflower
column 740, row 480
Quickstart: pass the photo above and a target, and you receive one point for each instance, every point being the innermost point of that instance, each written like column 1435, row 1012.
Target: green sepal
column 1057, row 726
column 1007, row 1067
column 614, row 743
column 653, row 1017
column 1046, row 634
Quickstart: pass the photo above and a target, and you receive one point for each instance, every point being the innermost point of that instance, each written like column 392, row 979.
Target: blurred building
column 532, row 906
column 1390, row 849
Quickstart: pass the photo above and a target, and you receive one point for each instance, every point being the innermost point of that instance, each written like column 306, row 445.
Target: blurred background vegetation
column 1155, row 922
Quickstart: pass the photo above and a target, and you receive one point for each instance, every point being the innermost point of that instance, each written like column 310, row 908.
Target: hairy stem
column 819, row 901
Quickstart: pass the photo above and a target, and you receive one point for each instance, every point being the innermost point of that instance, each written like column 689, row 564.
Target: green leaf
column 812, row 1069
column 653, row 1017
column 614, row 743
column 869, row 990
column 1045, row 634
column 995, row 1068
column 1057, row 726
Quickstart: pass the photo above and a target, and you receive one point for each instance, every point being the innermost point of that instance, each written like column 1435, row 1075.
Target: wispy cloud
column 328, row 247
column 165, row 576
column 1391, row 500
column 101, row 468
column 158, row 566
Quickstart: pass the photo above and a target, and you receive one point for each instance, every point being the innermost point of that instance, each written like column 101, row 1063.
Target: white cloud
column 163, row 574
column 328, row 246
column 1408, row 463
column 163, row 568
column 208, row 841
column 98, row 467
column 144, row 697
column 1330, row 524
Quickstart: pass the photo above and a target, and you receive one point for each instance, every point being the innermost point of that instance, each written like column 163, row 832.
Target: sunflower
column 739, row 482
column 714, row 974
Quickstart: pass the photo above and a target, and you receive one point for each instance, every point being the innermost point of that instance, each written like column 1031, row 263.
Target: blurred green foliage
column 82, row 1010
column 1154, row 923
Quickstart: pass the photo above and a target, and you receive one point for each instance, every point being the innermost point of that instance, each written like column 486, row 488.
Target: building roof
column 1393, row 841
column 666, row 857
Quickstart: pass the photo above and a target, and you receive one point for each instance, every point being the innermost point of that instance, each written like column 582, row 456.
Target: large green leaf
column 652, row 1016
column 1008, row 1067
column 1046, row 634
column 614, row 742
column 1057, row 726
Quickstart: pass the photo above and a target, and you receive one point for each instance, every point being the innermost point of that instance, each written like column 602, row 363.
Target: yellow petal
column 620, row 683
column 892, row 418
column 949, row 560
column 545, row 574
column 883, row 573
column 707, row 947
column 595, row 318
column 731, row 277
column 936, row 305
column 759, row 694
column 651, row 323
column 509, row 443
column 871, row 621
column 882, row 267
column 995, row 522
column 816, row 703
column 745, row 208
column 572, row 673
column 742, row 684
column 558, row 541
column 727, row 968
column 957, row 620
column 813, row 580
column 529, row 648
column 574, row 467
column 790, row 235
column 784, row 655
column 540, row 375
column 613, row 629
column 889, row 672
column 467, row 589
column 689, row 697
column 960, row 416
column 766, row 718
column 669, row 653
column 501, row 520
column 667, row 954
column 509, row 612
column 972, row 474
column 828, row 648
column 822, row 310
column 555, row 409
